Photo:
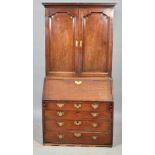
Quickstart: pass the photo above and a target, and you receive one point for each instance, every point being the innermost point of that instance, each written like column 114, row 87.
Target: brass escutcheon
column 77, row 123
column 78, row 82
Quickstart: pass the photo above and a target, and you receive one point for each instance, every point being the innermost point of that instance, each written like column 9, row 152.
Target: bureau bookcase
column 77, row 101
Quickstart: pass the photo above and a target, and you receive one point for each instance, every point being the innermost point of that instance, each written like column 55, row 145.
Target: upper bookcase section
column 78, row 39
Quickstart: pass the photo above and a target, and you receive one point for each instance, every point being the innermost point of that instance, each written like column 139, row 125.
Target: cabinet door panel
column 95, row 35
column 61, row 26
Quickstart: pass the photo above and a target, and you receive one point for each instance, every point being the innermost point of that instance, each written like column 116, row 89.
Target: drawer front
column 75, row 115
column 91, row 125
column 76, row 137
column 80, row 106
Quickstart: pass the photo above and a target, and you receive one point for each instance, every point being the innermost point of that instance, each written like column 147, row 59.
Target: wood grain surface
column 77, row 102
column 88, row 90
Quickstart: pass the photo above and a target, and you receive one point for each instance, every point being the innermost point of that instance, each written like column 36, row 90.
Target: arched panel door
column 61, row 36
column 96, row 42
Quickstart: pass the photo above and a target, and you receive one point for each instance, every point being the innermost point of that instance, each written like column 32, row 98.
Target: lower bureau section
column 76, row 137
column 82, row 123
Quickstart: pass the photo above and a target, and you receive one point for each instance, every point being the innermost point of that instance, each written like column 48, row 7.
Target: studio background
column 39, row 74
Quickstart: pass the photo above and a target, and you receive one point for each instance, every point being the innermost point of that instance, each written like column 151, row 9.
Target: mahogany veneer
column 77, row 94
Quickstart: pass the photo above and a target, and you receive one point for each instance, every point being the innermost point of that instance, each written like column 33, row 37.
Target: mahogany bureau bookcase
column 77, row 100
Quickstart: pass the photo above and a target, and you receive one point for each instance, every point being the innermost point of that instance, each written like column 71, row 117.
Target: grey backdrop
column 39, row 74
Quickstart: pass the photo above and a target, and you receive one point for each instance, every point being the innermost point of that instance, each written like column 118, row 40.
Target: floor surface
column 60, row 150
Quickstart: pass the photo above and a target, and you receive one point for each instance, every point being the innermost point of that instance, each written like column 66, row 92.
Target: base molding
column 76, row 145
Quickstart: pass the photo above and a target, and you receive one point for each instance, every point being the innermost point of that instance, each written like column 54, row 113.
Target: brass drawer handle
column 60, row 113
column 95, row 105
column 94, row 137
column 60, row 124
column 77, row 134
column 94, row 114
column 77, row 123
column 60, row 105
column 76, row 43
column 77, row 106
column 94, row 125
column 60, row 136
column 80, row 43
column 78, row 82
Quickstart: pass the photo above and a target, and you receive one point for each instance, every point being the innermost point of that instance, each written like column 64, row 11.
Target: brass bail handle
column 60, row 105
column 95, row 105
column 77, row 134
column 94, row 125
column 60, row 124
column 77, row 106
column 60, row 136
column 60, row 113
column 94, row 114
column 94, row 137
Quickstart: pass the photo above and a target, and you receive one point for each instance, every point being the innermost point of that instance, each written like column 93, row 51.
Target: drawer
column 77, row 115
column 76, row 137
column 80, row 106
column 91, row 125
